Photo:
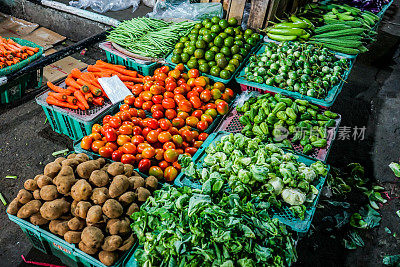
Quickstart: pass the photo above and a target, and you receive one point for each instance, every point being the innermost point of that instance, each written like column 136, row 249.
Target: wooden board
column 258, row 13
column 61, row 68
column 236, row 9
column 273, row 6
column 226, row 5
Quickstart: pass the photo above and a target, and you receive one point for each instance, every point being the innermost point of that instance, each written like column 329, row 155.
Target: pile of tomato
column 165, row 117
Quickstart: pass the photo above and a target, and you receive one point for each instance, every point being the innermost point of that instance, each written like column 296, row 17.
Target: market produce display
column 298, row 67
column 295, row 29
column 87, row 202
column 215, row 46
column 181, row 227
column 183, row 105
column 253, row 169
column 149, row 37
column 84, row 90
column 374, row 6
column 278, row 119
column 12, row 53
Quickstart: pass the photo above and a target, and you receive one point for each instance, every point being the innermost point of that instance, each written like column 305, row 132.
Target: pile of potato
column 87, row 202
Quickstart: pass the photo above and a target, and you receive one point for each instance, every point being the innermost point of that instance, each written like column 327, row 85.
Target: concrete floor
column 371, row 98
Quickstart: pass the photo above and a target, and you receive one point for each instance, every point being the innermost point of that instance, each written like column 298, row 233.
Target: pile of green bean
column 149, row 37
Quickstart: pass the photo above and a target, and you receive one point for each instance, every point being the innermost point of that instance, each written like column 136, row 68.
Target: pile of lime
column 215, row 46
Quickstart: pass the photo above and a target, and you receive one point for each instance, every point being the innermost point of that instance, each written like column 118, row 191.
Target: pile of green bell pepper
column 281, row 120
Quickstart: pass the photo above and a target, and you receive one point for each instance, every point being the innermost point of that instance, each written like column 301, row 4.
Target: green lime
column 199, row 53
column 215, row 70
column 230, row 31
column 234, row 62
column 235, row 49
column 255, row 36
column 192, row 64
column 219, row 41
column 185, row 57
column 178, row 51
column 201, row 44
column 229, row 41
column 231, row 68
column 246, row 36
column 205, row 68
column 219, row 56
column 180, row 45
column 204, row 22
column 201, row 31
column 190, row 50
column 243, row 52
column 239, row 43
column 248, row 32
column 176, row 59
column 195, row 31
column 214, row 49
column 223, row 35
column 223, row 23
column 233, row 21
column 212, row 64
column 225, row 74
column 201, row 61
column 192, row 43
column 226, row 51
column 192, row 36
column 210, row 45
column 213, row 35
column 222, row 62
column 238, row 31
column 183, row 39
column 198, row 26
column 208, row 38
column 209, row 55
column 208, row 25
column 187, row 43
column 251, row 41
column 216, row 29
column 215, row 20
column 206, row 31
column 247, row 47
column 238, row 57
column 239, row 38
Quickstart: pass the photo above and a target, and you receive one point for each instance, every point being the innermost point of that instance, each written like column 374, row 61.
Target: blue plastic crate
column 284, row 214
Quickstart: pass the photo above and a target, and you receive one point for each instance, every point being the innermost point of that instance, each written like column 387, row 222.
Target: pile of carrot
column 83, row 88
column 11, row 52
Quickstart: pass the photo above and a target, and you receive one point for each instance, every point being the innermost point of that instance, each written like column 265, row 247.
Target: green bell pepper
column 313, row 138
column 253, row 113
column 272, row 119
column 245, row 120
column 290, row 121
column 320, row 143
column 247, row 128
column 312, row 112
column 304, row 125
column 279, row 107
column 292, row 129
column 297, row 137
column 281, row 115
column 307, row 149
column 291, row 113
column 295, row 107
column 302, row 102
column 330, row 123
column 322, row 117
column 257, row 130
column 305, row 140
column 322, row 132
column 287, row 143
column 313, row 107
column 302, row 109
column 305, row 116
column 331, row 114
column 264, row 128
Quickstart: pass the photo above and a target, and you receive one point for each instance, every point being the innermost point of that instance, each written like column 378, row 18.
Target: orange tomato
column 146, row 95
column 192, row 93
column 147, row 85
column 179, row 90
column 195, row 101
column 96, row 145
column 115, row 122
column 177, row 139
column 156, row 172
column 129, row 148
column 168, row 95
column 175, row 74
column 105, row 152
column 205, row 96
column 96, row 128
column 129, row 100
column 187, row 135
column 169, row 145
column 142, row 146
column 128, row 158
column 123, row 139
column 180, row 67
column 137, row 89
column 95, row 136
column 165, row 124
column 147, row 105
column 164, row 137
column 177, row 165
column 106, row 119
column 179, row 97
column 159, row 154
column 203, row 136
column 133, row 112
column 156, row 89
column 192, row 121
column 157, row 107
column 197, row 144
column 168, row 103
column 193, row 73
column 200, row 81
column 152, row 136
column 185, row 105
column 178, row 122
column 163, row 165
column 197, row 113
column 148, row 152
column 86, row 142
column 202, row 125
column 138, row 103
column 170, row 173
column 125, row 129
column 137, row 139
column 171, row 155
column 112, row 145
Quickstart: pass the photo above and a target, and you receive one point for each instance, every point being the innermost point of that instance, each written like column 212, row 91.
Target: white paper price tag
column 114, row 88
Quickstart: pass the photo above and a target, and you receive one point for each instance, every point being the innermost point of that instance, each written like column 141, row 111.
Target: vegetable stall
column 199, row 143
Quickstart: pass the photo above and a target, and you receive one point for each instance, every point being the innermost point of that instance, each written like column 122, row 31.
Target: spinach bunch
column 182, row 227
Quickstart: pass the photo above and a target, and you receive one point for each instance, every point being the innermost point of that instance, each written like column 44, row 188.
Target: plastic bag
column 102, row 6
column 149, row 3
column 165, row 9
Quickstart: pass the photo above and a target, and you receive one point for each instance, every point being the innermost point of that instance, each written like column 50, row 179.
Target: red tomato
column 157, row 114
column 185, row 105
column 159, row 154
column 197, row 144
column 157, row 107
column 123, row 139
column 147, row 85
column 175, row 73
column 163, row 165
column 133, row 112
column 106, row 152
column 112, row 145
column 137, row 89
column 96, row 145
column 157, row 99
column 177, row 139
column 180, row 67
column 200, row 81
column 156, row 89
column 138, row 103
column 147, row 105
column 129, row 99
column 169, row 145
column 106, row 119
column 197, row 113
column 169, row 79
column 86, row 142
column 222, row 107
column 146, row 95
column 192, row 121
column 210, row 106
column 168, row 95
column 128, row 159
column 125, row 129
column 160, row 83
column 183, row 115
column 207, row 118
column 203, row 136
column 116, row 155
column 152, row 123
column 187, row 135
column 129, row 148
column 146, row 131
column 195, row 135
column 191, row 150
column 104, row 128
column 181, row 81
column 165, row 124
column 186, row 87
column 170, row 87
column 195, row 101
column 142, row 146
column 170, row 173
column 160, row 76
column 164, row 137
column 179, row 91
column 174, row 131
column 156, row 172
column 178, row 122
column 125, row 115
column 115, row 122
column 198, row 89
column 129, row 123
column 110, row 135
column 205, row 96
column 202, row 125
column 164, row 69
column 137, row 130
column 179, row 97
column 177, row 165
column 148, row 152
column 193, row 73
column 192, row 93
column 168, row 103
column 171, row 155
column 137, row 139
column 152, row 136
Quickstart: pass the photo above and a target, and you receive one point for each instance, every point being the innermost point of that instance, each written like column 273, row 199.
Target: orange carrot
column 72, row 83
column 95, row 91
column 81, row 98
column 89, row 77
column 101, row 62
column 75, row 73
column 126, row 72
column 71, row 100
column 80, row 105
column 59, row 89
column 89, row 97
column 59, row 96
column 140, row 75
column 99, row 101
column 53, row 101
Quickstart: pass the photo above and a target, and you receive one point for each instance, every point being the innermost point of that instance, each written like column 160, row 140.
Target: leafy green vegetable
column 367, row 217
column 395, row 168
column 393, row 260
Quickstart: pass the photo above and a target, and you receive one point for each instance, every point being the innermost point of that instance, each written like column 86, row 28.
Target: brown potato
column 30, row 185
column 94, row 215
column 116, row 168
column 24, row 196
column 92, row 237
column 99, row 178
column 81, row 157
column 127, row 244
column 100, row 195
column 151, row 183
column 59, row 160
column 29, row 209
column 37, row 219
column 36, row 194
column 52, row 169
column 73, row 163
column 73, row 207
column 87, row 249
column 82, row 209
column 142, row 194
column 119, row 227
column 13, row 207
column 105, row 167
column 43, row 180
column 71, row 156
column 85, row 169
column 112, row 242
column 136, row 182
column 128, row 170
column 108, row 257
column 119, row 185
column 127, row 198
column 58, row 227
column 112, row 209
column 101, row 161
column 48, row 192
column 73, row 237
column 81, row 190
column 76, row 224
column 65, row 180
column 132, row 209
column 52, row 210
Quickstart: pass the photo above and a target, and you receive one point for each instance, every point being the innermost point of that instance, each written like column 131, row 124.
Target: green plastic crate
column 217, row 79
column 14, row 90
column 116, row 57
column 68, row 253
column 284, row 214
column 74, row 123
column 263, row 88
